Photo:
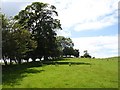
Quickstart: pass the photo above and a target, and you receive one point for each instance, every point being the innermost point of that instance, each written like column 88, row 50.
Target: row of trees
column 32, row 34
column 66, row 47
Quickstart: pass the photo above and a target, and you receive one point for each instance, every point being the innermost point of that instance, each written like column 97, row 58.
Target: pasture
column 65, row 73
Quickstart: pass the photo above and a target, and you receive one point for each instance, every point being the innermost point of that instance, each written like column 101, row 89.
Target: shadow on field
column 65, row 63
column 12, row 74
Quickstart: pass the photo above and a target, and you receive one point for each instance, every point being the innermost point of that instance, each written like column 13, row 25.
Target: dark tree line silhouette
column 32, row 34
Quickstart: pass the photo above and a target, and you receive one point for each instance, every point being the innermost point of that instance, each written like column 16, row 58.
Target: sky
column 91, row 24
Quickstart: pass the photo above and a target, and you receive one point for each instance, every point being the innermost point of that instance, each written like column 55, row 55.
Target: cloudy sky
column 91, row 24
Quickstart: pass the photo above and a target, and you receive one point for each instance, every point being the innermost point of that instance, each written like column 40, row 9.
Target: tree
column 6, row 38
column 65, row 45
column 16, row 42
column 76, row 52
column 24, row 44
column 68, row 51
column 86, row 54
column 39, row 19
column 64, row 42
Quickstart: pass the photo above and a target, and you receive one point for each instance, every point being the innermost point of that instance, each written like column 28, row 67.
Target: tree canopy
column 66, row 46
column 16, row 42
column 32, row 34
column 39, row 19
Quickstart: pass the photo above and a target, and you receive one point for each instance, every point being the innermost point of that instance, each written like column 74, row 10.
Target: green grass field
column 66, row 73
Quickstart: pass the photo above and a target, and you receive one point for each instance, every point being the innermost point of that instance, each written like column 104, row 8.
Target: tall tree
column 24, row 44
column 16, row 41
column 39, row 19
column 6, row 37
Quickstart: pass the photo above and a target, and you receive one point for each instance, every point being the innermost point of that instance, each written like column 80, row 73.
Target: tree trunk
column 33, row 59
column 27, row 60
column 10, row 61
column 5, row 62
column 19, row 61
column 15, row 61
column 46, row 58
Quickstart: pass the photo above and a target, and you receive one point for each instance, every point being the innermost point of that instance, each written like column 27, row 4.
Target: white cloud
column 100, row 46
column 83, row 14
column 64, row 33
column 96, row 24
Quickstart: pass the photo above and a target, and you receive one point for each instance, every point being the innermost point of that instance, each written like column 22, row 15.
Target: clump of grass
column 70, row 64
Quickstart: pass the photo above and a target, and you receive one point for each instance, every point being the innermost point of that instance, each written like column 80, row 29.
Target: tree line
column 32, row 34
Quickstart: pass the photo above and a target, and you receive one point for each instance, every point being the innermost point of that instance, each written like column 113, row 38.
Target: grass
column 66, row 73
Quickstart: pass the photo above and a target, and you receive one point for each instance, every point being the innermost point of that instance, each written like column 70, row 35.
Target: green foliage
column 86, row 54
column 64, row 42
column 32, row 34
column 66, row 46
column 24, row 42
column 7, row 39
column 16, row 42
column 4, row 21
column 76, row 53
column 39, row 19
column 68, row 51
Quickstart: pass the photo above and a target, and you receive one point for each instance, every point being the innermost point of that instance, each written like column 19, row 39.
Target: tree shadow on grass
column 66, row 63
column 12, row 74
column 60, row 59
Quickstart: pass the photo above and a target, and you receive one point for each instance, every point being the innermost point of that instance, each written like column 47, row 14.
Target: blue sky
column 91, row 24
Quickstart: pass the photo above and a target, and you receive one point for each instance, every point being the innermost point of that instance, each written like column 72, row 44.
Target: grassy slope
column 97, row 74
